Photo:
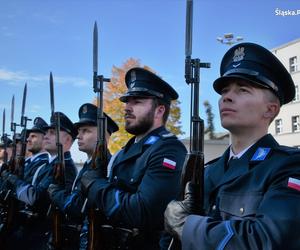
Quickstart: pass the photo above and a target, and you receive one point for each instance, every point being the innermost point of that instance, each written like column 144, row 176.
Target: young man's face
column 35, row 142
column 139, row 115
column 2, row 153
column 242, row 106
column 87, row 138
column 50, row 140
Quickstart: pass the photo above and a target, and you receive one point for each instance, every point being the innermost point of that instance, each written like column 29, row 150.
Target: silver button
column 241, row 210
column 131, row 180
column 214, row 207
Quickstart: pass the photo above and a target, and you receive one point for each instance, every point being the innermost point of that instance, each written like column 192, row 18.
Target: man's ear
column 160, row 110
column 272, row 111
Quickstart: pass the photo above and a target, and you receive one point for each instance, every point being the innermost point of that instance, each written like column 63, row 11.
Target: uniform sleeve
column 70, row 175
column 73, row 205
column 30, row 194
column 58, row 198
column 144, row 206
column 275, row 224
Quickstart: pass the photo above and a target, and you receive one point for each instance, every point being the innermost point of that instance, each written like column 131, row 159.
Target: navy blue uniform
column 32, row 233
column 144, row 177
column 36, row 192
column 31, row 165
column 253, row 203
column 71, row 203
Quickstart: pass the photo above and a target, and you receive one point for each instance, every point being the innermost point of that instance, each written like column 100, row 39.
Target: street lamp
column 229, row 39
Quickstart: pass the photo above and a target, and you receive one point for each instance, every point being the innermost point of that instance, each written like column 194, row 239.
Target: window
column 293, row 64
column 297, row 98
column 295, row 123
column 278, row 126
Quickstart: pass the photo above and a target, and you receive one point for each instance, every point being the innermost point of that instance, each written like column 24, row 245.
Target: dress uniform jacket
column 253, row 203
column 32, row 234
column 71, row 203
column 144, row 178
column 33, row 163
column 36, row 192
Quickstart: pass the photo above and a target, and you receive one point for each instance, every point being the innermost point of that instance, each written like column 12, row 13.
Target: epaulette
column 167, row 135
column 212, row 161
column 288, row 150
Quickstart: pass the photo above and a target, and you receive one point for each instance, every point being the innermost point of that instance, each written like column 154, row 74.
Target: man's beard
column 34, row 149
column 142, row 125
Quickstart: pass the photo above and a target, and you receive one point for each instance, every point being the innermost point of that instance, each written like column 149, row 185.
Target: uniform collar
column 32, row 158
column 240, row 154
column 218, row 174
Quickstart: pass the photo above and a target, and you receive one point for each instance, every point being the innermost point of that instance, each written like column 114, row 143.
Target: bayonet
column 95, row 49
column 23, row 117
column 51, row 94
column 97, row 79
column 189, row 28
column 3, row 124
column 12, row 124
column 4, row 140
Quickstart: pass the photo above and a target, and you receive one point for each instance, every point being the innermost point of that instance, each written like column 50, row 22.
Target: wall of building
column 287, row 136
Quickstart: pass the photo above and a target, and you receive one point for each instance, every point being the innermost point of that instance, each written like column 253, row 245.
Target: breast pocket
column 233, row 205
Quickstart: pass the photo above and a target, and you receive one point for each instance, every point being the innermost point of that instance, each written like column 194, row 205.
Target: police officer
column 5, row 156
column 22, row 186
column 145, row 174
column 38, row 160
column 39, row 157
column 35, row 193
column 252, row 192
column 67, row 136
column 71, row 203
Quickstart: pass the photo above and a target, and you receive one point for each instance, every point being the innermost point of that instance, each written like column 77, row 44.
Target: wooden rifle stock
column 96, row 217
column 193, row 171
column 20, row 159
column 57, row 217
column 57, row 239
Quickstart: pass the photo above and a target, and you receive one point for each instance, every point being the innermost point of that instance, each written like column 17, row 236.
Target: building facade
column 213, row 148
column 286, row 126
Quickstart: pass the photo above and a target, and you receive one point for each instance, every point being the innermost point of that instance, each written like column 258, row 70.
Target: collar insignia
column 151, row 140
column 260, row 154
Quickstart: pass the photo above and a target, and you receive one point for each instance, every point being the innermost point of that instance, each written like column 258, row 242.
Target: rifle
column 11, row 202
column 16, row 164
column 4, row 140
column 20, row 160
column 59, row 177
column 193, row 168
column 96, row 217
column 13, row 125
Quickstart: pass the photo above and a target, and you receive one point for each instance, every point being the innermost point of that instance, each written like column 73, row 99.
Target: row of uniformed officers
column 251, row 193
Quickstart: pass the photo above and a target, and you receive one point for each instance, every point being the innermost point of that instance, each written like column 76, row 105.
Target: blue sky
column 37, row 37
